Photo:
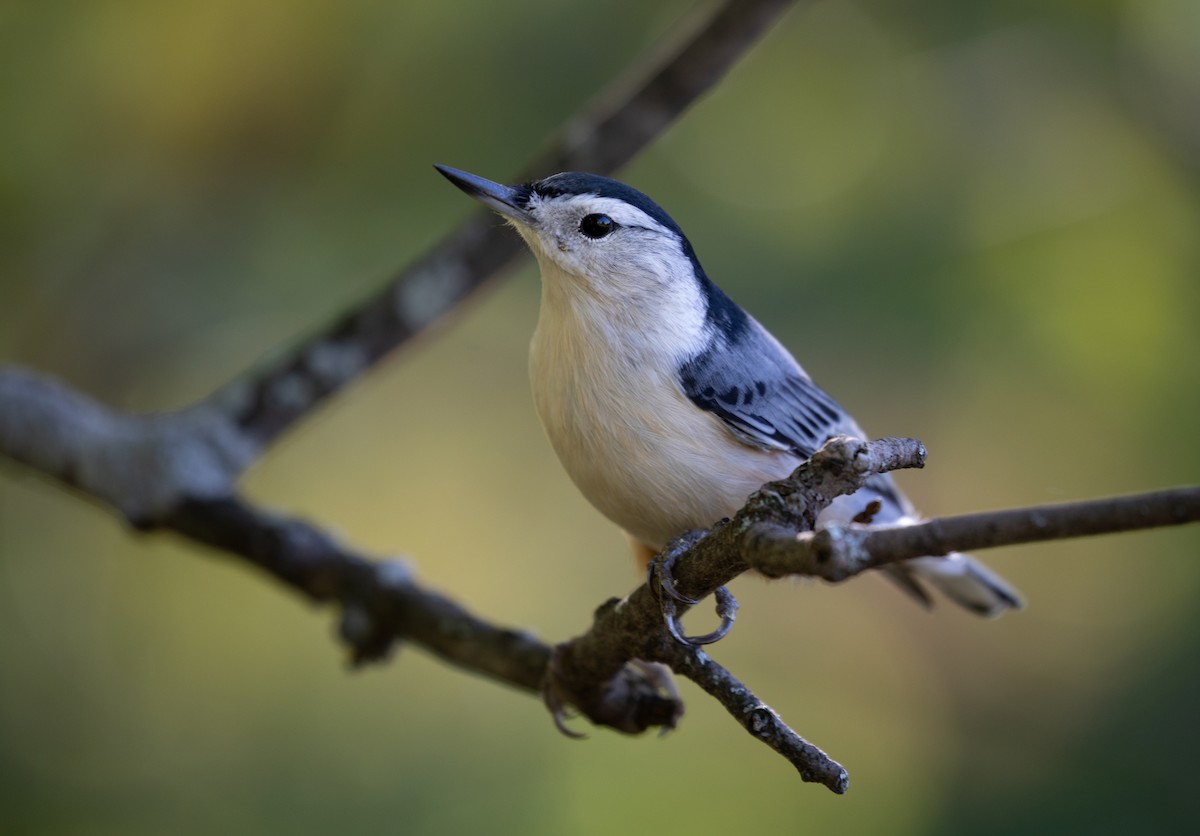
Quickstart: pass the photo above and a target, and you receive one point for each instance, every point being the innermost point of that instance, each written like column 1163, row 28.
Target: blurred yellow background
column 973, row 223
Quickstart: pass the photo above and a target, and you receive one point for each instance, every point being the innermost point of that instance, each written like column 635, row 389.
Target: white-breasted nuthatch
column 668, row 404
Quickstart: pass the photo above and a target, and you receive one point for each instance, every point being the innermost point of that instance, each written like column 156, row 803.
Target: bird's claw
column 660, row 577
column 555, row 698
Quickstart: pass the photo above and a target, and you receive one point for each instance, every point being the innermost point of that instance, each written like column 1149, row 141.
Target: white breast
column 607, row 395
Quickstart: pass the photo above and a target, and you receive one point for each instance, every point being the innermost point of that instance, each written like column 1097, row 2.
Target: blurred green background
column 974, row 223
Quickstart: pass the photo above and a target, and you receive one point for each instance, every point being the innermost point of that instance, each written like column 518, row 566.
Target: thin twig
column 838, row 552
column 759, row 719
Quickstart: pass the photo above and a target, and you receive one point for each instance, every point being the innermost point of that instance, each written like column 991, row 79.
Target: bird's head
column 606, row 237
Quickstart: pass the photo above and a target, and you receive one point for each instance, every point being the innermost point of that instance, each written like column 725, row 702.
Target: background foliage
column 975, row 223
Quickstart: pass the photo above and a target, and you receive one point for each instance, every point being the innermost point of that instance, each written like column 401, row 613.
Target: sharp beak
column 503, row 199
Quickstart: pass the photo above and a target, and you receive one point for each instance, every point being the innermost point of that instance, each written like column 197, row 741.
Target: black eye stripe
column 597, row 226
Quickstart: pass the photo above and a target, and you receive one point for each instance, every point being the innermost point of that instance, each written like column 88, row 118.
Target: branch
column 758, row 718
column 601, row 138
column 768, row 534
column 382, row 602
column 147, row 465
column 701, row 563
column 142, row 465
column 838, row 552
column 178, row 471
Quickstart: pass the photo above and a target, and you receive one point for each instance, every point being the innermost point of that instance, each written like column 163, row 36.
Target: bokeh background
column 976, row 223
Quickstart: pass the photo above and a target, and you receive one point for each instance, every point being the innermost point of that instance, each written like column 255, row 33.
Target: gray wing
column 753, row 384
column 748, row 380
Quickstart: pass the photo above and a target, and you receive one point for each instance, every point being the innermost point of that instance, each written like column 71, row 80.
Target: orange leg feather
column 642, row 554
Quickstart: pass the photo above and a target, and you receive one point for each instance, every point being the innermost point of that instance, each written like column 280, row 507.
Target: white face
column 607, row 245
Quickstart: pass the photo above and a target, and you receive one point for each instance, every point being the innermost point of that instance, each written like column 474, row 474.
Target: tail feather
column 959, row 577
column 967, row 582
column 906, row 579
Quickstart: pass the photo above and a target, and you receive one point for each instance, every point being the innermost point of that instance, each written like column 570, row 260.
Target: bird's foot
column 660, row 577
column 659, row 675
column 555, row 696
column 640, row 696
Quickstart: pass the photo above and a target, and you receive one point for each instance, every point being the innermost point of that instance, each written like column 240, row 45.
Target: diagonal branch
column 758, row 718
column 146, row 465
column 382, row 603
column 602, row 137
column 178, row 471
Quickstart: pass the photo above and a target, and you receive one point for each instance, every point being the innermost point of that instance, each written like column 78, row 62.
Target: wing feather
column 756, row 387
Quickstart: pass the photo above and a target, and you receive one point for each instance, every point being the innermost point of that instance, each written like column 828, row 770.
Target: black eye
column 597, row 226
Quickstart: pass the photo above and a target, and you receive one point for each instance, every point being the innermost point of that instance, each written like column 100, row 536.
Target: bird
column 666, row 402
